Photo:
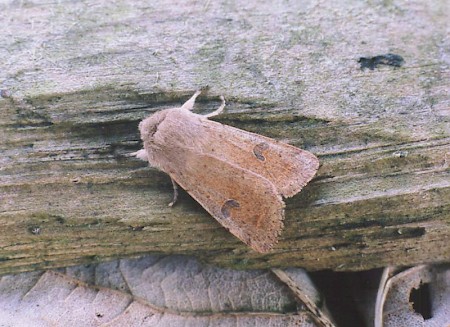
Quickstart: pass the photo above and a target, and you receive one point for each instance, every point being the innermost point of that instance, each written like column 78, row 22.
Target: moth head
column 149, row 126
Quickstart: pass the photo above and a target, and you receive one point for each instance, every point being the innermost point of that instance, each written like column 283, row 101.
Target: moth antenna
column 218, row 111
column 189, row 104
column 175, row 192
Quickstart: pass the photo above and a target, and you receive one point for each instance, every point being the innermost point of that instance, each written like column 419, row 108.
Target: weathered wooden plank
column 77, row 78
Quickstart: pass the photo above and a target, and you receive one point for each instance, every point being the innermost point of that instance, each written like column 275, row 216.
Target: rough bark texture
column 78, row 76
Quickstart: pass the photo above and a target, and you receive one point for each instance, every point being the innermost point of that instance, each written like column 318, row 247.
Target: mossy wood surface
column 78, row 76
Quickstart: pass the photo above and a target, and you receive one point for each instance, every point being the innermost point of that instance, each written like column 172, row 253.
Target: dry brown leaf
column 302, row 286
column 151, row 291
column 419, row 296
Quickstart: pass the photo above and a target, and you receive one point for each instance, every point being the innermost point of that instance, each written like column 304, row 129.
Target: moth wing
column 245, row 203
column 287, row 167
column 237, row 176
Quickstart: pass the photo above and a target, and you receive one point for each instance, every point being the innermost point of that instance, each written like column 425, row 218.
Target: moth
column 239, row 177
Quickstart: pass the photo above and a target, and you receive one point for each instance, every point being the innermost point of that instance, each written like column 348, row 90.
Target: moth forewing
column 287, row 167
column 245, row 203
column 237, row 176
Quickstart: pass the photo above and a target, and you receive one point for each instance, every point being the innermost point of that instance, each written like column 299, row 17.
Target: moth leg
column 189, row 104
column 141, row 154
column 217, row 111
column 175, row 192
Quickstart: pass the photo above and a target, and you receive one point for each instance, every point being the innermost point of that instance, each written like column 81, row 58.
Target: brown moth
column 237, row 176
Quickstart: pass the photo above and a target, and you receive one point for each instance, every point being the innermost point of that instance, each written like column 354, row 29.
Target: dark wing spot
column 259, row 149
column 225, row 210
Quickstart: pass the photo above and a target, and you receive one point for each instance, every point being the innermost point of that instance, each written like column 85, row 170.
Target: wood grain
column 78, row 78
